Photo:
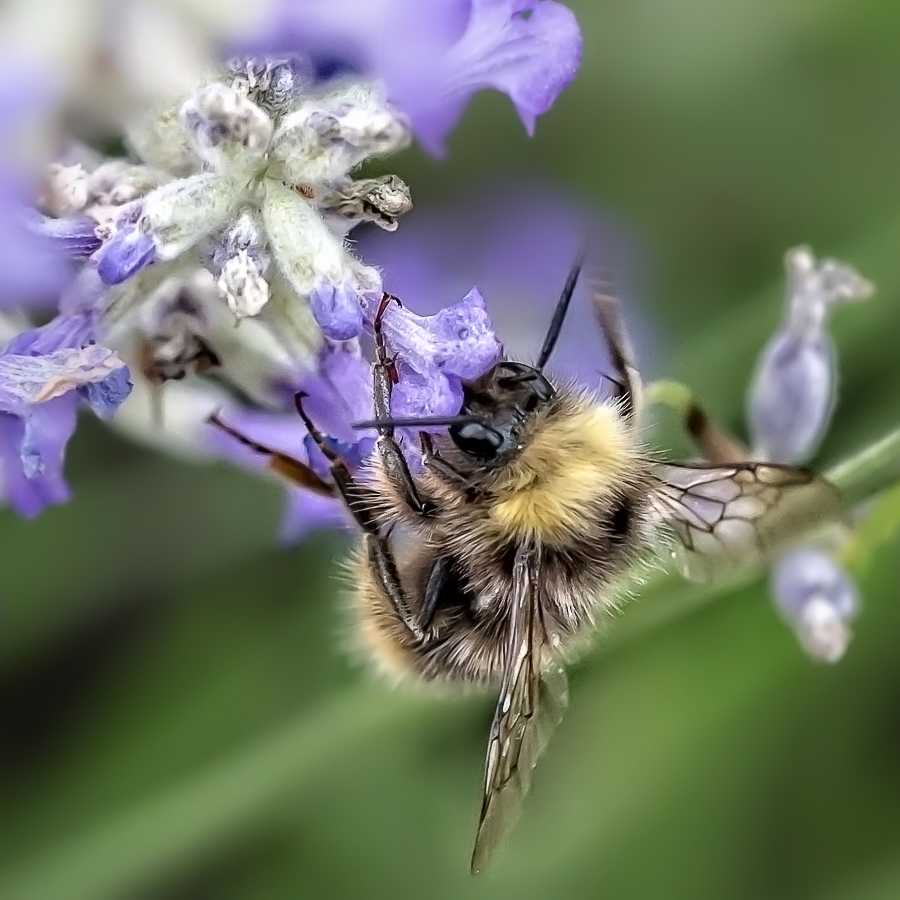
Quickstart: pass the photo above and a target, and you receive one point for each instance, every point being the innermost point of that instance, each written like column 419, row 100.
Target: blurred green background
column 179, row 719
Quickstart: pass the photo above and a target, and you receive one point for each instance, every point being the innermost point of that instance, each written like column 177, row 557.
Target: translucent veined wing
column 530, row 706
column 722, row 516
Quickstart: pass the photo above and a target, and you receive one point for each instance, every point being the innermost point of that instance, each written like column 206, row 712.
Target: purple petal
column 75, row 238
column 339, row 393
column 354, row 454
column 337, row 310
column 105, row 397
column 66, row 330
column 457, row 341
column 26, row 381
column 807, row 572
column 128, row 251
column 425, row 394
column 40, row 452
column 529, row 59
column 31, row 268
column 433, row 56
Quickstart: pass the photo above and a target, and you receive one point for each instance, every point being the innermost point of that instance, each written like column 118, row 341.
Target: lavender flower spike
column 792, row 393
column 818, row 599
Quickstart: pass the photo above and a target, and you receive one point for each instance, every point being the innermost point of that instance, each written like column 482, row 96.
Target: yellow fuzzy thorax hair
column 569, row 463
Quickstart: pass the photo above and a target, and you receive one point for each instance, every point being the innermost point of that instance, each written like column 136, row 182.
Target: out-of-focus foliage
column 179, row 719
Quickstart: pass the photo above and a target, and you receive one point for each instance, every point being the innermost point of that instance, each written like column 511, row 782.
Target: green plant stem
column 869, row 471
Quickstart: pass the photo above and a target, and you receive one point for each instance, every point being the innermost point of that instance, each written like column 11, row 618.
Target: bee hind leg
column 714, row 443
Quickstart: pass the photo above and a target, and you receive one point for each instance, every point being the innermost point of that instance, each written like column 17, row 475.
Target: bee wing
column 741, row 513
column 529, row 708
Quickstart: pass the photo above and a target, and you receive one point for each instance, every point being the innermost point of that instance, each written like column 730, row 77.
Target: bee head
column 497, row 405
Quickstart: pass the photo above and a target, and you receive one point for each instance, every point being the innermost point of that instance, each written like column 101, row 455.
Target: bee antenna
column 415, row 421
column 562, row 307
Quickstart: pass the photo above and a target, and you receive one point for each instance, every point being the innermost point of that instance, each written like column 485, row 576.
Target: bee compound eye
column 480, row 441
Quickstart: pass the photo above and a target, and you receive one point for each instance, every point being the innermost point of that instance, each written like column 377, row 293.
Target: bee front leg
column 627, row 379
column 384, row 378
column 356, row 497
column 292, row 469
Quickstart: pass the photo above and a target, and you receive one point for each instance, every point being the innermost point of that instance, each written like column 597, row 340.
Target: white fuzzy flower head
column 270, row 189
column 243, row 286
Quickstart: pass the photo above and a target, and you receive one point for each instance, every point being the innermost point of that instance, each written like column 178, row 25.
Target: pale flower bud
column 816, row 596
column 792, row 393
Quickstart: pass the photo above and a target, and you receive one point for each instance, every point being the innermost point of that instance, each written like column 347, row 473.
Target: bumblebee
column 491, row 566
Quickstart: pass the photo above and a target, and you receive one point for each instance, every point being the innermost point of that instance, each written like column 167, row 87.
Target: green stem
column 870, row 471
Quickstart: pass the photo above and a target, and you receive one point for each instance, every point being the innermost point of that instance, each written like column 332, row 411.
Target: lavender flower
column 38, row 397
column 516, row 241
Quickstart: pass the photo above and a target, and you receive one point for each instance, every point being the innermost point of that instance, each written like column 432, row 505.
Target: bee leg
column 438, row 579
column 382, row 564
column 385, row 377
column 626, row 379
column 292, row 469
column 715, row 445
column 355, row 496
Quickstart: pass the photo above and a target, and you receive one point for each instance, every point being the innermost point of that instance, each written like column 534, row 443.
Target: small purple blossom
column 34, row 262
column 818, row 599
column 528, row 49
column 41, row 392
column 74, row 238
column 127, row 252
column 435, row 353
column 50, row 428
column 337, row 310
